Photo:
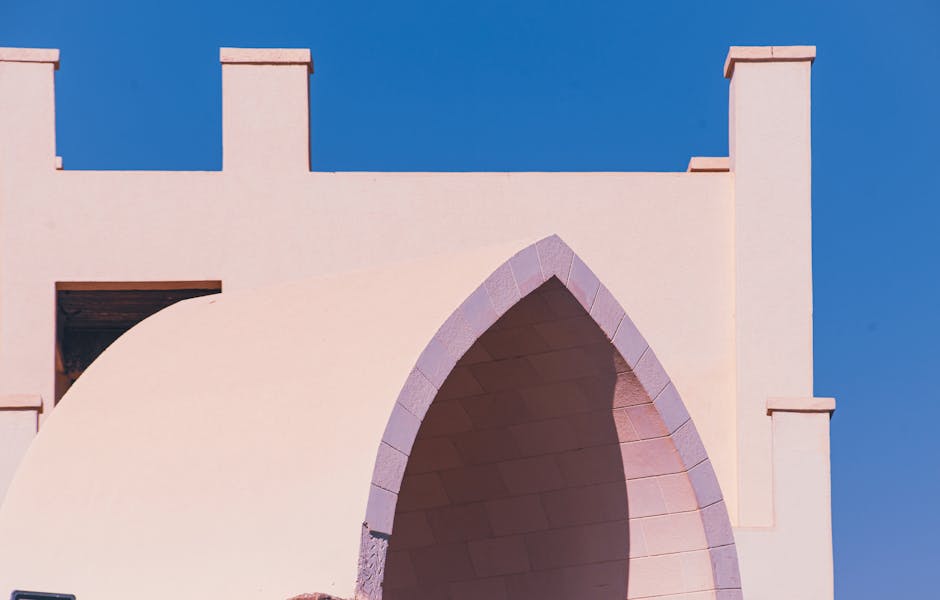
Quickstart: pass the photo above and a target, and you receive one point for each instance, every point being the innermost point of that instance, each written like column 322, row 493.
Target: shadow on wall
column 516, row 486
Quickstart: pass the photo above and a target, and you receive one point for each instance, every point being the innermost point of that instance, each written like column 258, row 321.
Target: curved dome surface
column 224, row 447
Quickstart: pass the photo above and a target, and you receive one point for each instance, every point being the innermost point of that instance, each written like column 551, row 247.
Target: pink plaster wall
column 713, row 265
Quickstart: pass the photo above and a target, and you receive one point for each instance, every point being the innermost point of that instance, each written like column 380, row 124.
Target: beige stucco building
column 414, row 385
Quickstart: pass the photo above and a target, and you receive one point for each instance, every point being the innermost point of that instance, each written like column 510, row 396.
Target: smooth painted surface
column 249, row 230
column 274, row 398
column 770, row 158
column 802, row 537
column 18, row 427
column 265, row 118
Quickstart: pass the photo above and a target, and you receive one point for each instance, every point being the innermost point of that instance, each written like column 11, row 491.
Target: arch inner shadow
column 515, row 487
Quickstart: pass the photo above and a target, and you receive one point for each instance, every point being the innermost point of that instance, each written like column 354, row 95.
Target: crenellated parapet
column 27, row 109
column 284, row 413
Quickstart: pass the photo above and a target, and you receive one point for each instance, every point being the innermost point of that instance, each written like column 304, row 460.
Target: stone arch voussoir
column 512, row 281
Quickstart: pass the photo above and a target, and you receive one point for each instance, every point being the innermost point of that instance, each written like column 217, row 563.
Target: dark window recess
column 90, row 316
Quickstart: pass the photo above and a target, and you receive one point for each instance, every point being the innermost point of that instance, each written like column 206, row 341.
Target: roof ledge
column 266, row 56
column 738, row 54
column 20, row 401
column 804, row 405
column 30, row 55
column 709, row 164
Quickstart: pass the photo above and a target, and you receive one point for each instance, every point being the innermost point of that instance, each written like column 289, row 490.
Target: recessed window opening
column 91, row 315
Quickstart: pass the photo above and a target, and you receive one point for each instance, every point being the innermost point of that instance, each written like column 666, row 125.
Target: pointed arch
column 673, row 448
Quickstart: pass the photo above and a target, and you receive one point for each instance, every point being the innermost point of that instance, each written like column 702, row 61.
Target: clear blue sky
column 589, row 85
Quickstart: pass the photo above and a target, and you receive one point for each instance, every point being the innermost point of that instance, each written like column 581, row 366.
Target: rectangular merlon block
column 265, row 110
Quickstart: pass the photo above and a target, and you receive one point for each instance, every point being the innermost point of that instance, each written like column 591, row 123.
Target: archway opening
column 543, row 454
column 516, row 485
